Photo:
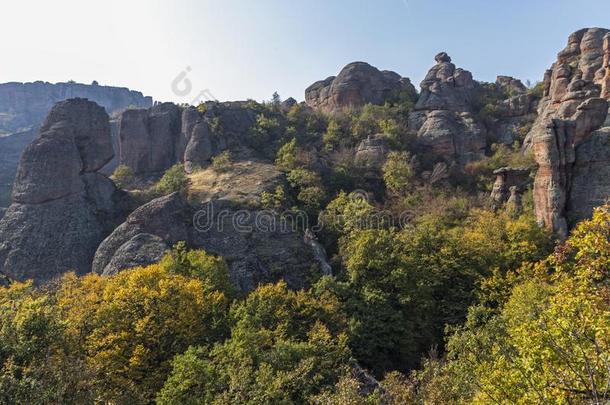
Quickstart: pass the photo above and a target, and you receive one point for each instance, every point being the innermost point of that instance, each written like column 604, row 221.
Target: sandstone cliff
column 572, row 177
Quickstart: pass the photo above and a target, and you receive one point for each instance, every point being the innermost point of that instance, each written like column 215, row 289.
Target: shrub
column 222, row 162
column 174, row 180
column 123, row 176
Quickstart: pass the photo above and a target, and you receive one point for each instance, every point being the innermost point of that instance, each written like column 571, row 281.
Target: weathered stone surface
column 89, row 125
column 357, row 84
column 554, row 154
column 62, row 207
column 446, row 87
column 42, row 241
column 149, row 138
column 256, row 247
column 507, row 179
column 569, row 112
column 372, row 152
column 590, row 183
column 510, row 85
column 23, row 107
column 455, row 136
column 443, row 114
column 141, row 250
column 50, row 168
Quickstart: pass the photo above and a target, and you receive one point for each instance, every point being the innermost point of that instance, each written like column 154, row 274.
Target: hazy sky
column 249, row 49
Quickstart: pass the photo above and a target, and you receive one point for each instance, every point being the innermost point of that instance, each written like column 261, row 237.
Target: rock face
column 153, row 140
column 254, row 244
column 23, row 107
column 443, row 116
column 62, row 207
column 372, row 152
column 148, row 138
column 357, row 84
column 562, row 137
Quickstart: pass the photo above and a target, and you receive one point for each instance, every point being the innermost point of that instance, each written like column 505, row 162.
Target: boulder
column 258, row 245
column 141, row 250
column 356, row 85
column 62, row 208
column 510, row 86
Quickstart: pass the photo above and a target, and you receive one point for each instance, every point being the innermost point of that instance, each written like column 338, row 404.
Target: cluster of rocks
column 571, row 151
column 443, row 116
column 24, row 106
column 68, row 216
column 257, row 248
column 154, row 139
column 357, row 84
column 62, row 206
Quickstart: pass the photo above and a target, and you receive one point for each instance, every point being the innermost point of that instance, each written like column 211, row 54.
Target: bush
column 222, row 162
column 174, row 180
column 123, row 176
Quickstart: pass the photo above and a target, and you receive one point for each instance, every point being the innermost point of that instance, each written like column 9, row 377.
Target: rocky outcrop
column 590, row 182
column 148, row 138
column 443, row 116
column 257, row 245
column 23, row 107
column 357, row 84
column 569, row 113
column 372, row 152
column 509, row 182
column 62, row 207
column 153, row 140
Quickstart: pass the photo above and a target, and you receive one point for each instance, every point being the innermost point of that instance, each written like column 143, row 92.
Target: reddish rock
column 356, row 85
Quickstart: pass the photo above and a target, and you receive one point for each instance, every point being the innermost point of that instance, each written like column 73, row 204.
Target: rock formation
column 563, row 137
column 372, row 152
column 257, row 247
column 357, row 84
column 148, row 138
column 23, row 107
column 509, row 181
column 443, row 116
column 151, row 141
column 62, row 207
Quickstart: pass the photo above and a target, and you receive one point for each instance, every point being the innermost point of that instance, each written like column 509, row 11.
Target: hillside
column 375, row 244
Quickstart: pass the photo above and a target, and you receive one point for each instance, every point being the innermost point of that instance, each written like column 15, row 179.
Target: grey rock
column 141, row 250
column 90, row 127
column 62, row 207
column 253, row 242
column 149, row 138
column 372, row 152
column 50, row 168
column 508, row 178
column 167, row 217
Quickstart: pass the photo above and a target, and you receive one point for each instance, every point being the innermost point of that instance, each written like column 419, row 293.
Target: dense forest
column 436, row 295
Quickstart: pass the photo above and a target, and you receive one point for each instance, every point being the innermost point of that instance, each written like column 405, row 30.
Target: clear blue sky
column 249, row 49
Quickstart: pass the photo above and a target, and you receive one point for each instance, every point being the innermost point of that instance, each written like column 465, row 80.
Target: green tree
column 173, row 180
